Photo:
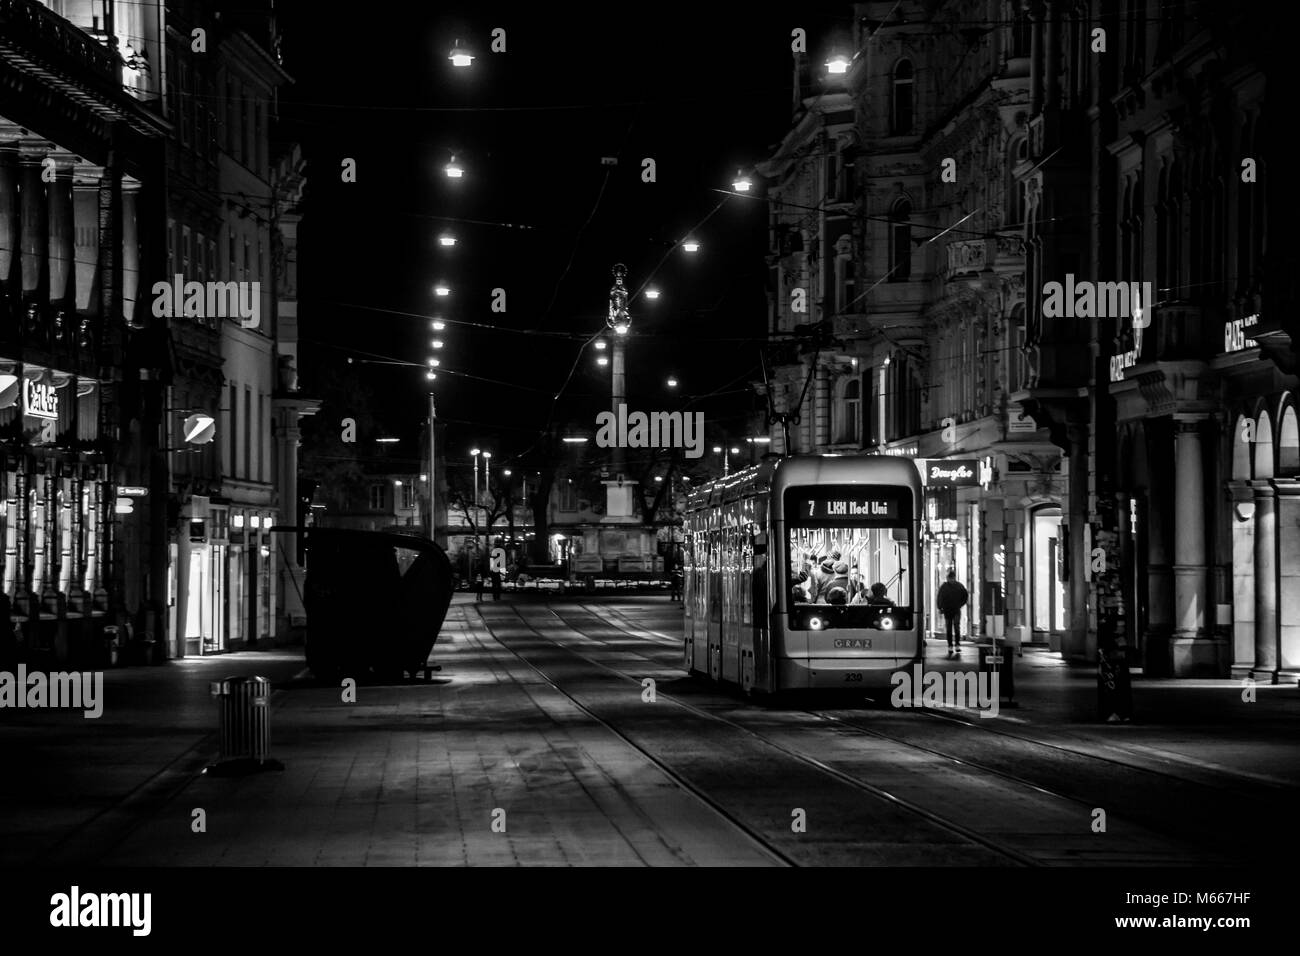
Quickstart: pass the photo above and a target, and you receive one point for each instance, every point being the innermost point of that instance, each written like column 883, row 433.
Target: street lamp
column 459, row 56
column 837, row 64
column 453, row 169
column 441, row 290
column 446, row 240
column 672, row 381
column 652, row 293
column 436, row 343
column 742, row 183
column 691, row 245
column 438, row 325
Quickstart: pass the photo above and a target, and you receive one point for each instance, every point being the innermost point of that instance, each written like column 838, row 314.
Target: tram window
column 850, row 565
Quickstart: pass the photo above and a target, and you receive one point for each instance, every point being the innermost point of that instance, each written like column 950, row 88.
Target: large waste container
column 375, row 602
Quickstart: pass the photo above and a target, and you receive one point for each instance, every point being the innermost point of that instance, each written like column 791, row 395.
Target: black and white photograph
column 844, row 436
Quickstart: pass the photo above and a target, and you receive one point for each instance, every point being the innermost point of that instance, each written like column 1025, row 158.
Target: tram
column 804, row 573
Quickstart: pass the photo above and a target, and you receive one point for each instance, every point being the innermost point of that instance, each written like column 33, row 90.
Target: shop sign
column 40, row 400
column 1234, row 334
column 951, row 472
column 1018, row 422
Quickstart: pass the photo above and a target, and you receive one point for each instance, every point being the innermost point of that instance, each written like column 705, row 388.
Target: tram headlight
column 816, row 623
column 886, row 622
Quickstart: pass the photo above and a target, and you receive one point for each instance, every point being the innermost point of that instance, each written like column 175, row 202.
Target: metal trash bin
column 245, row 707
column 997, row 658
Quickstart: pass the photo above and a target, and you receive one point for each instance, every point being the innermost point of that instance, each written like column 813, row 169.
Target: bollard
column 244, row 704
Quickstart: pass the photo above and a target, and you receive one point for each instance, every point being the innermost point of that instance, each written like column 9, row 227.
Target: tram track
column 1233, row 786
column 998, row 849
column 611, row 617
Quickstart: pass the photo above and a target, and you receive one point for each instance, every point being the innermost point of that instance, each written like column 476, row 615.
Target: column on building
column 1161, row 597
column 10, row 229
column 85, row 216
column 1189, row 548
column 1287, row 496
column 34, row 238
column 1074, row 644
column 1243, row 577
column 1265, row 664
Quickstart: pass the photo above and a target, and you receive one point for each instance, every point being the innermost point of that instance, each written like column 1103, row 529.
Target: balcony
column 966, row 258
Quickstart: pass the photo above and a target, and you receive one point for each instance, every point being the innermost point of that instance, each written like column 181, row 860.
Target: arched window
column 1162, row 232
column 901, row 115
column 900, row 242
column 1288, row 446
column 848, row 412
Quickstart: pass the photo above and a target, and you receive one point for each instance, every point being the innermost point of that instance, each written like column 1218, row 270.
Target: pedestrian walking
column 496, row 585
column 676, row 593
column 952, row 598
column 478, row 589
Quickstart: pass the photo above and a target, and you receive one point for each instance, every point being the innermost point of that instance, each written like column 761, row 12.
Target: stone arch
column 1288, row 439
column 1264, row 445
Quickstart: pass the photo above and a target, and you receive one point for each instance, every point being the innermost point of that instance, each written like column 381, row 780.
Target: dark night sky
column 700, row 91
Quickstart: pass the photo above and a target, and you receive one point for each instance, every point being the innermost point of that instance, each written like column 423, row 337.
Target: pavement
column 488, row 764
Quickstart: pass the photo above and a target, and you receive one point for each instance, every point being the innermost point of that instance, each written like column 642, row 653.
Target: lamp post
column 487, row 461
column 620, row 322
column 474, row 501
column 433, row 474
column 620, row 493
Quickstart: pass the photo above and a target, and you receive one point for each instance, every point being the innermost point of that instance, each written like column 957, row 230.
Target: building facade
column 81, row 213
column 225, row 494
column 1186, row 419
column 1057, row 239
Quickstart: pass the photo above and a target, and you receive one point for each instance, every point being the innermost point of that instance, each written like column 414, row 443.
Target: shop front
column 54, row 518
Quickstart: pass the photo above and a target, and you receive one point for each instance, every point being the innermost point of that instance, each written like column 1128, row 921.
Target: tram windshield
column 852, row 566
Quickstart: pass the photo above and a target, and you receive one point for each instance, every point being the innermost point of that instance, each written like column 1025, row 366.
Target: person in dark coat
column 952, row 598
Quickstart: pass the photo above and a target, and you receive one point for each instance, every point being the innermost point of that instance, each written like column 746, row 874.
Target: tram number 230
column 853, row 676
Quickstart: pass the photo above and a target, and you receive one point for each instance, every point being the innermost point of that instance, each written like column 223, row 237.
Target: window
column 243, row 128
column 376, row 501
column 248, row 432
column 171, row 247
column 900, row 245
column 901, row 115
column 408, row 495
column 262, row 432
column 232, row 430
column 231, row 257
column 568, row 496
column 1021, row 34
column 1016, row 349
column 1016, row 211
column 847, row 419
column 186, row 252
column 244, row 272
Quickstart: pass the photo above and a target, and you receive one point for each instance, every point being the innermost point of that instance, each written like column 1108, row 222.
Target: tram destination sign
column 850, row 509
